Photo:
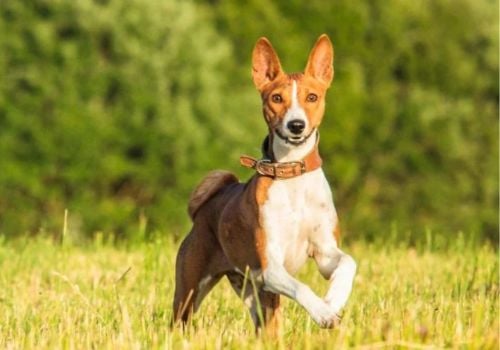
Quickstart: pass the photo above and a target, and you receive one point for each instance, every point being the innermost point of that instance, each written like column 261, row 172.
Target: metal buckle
column 302, row 166
column 258, row 166
column 279, row 170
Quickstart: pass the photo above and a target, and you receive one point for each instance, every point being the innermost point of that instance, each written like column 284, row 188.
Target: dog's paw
column 326, row 317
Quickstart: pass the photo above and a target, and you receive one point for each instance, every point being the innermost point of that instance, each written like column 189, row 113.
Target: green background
column 114, row 110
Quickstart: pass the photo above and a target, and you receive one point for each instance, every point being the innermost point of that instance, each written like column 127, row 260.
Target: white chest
column 299, row 218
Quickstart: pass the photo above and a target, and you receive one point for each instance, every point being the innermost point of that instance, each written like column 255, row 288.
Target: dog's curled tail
column 209, row 186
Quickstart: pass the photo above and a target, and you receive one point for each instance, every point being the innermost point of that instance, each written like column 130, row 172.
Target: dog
column 259, row 233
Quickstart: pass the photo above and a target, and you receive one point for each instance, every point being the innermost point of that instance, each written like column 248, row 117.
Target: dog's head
column 293, row 104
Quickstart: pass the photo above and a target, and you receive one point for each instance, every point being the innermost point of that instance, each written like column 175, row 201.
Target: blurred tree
column 411, row 130
column 107, row 108
column 115, row 110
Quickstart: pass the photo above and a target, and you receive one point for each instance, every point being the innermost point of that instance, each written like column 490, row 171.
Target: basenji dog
column 259, row 233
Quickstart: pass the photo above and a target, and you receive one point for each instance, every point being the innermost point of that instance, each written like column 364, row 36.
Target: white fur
column 286, row 152
column 204, row 282
column 340, row 281
column 299, row 219
column 202, row 288
column 295, row 112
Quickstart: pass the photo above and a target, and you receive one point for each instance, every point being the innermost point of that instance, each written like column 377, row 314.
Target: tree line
column 115, row 110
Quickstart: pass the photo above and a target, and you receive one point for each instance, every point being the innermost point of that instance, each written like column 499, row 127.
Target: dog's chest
column 299, row 218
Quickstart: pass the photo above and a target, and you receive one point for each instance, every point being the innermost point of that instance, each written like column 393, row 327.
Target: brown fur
column 212, row 183
column 228, row 236
column 225, row 235
column 336, row 233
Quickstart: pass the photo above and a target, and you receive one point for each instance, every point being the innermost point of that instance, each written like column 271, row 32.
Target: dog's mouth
column 293, row 140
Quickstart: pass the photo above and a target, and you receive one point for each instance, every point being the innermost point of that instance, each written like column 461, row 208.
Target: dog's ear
column 265, row 63
column 320, row 63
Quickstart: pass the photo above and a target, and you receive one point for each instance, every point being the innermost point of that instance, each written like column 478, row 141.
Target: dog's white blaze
column 295, row 109
column 286, row 152
column 294, row 112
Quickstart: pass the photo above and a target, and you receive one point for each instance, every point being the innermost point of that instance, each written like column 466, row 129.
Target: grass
column 99, row 296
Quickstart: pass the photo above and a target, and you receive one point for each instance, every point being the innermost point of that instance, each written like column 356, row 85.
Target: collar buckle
column 261, row 165
column 283, row 170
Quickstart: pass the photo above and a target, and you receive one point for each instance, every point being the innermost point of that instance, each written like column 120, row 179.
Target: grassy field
column 99, row 296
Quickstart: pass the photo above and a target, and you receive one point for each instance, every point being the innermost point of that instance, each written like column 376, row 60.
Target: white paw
column 325, row 316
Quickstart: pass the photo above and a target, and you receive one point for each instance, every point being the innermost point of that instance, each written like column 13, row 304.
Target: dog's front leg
column 278, row 280
column 339, row 268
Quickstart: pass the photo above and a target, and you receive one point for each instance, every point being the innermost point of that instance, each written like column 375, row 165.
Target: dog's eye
column 312, row 98
column 276, row 98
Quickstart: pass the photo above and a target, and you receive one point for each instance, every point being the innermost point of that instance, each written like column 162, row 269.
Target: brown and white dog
column 268, row 227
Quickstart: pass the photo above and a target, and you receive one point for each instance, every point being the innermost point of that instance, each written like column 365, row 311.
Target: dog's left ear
column 320, row 62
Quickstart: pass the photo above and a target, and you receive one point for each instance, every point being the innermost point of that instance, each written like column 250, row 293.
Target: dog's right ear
column 265, row 63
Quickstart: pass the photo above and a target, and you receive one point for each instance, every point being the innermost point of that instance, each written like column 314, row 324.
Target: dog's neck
column 277, row 150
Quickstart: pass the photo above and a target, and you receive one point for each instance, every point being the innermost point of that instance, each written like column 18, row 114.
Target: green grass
column 102, row 296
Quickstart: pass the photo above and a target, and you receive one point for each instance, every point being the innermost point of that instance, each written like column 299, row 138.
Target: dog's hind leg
column 271, row 313
column 264, row 306
column 188, row 275
column 200, row 265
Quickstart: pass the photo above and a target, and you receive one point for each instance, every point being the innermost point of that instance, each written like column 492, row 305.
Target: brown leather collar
column 284, row 170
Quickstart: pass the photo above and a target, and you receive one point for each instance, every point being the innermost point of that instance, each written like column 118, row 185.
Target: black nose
column 296, row 126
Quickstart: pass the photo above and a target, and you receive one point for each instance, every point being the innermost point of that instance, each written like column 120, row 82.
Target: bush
column 410, row 134
column 115, row 110
column 108, row 108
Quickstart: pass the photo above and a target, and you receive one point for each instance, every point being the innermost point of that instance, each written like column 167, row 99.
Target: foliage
column 115, row 110
column 411, row 129
column 108, row 297
column 94, row 100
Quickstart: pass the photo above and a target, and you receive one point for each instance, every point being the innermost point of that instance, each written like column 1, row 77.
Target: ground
column 99, row 295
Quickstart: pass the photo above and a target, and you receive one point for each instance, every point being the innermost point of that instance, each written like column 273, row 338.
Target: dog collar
column 284, row 170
